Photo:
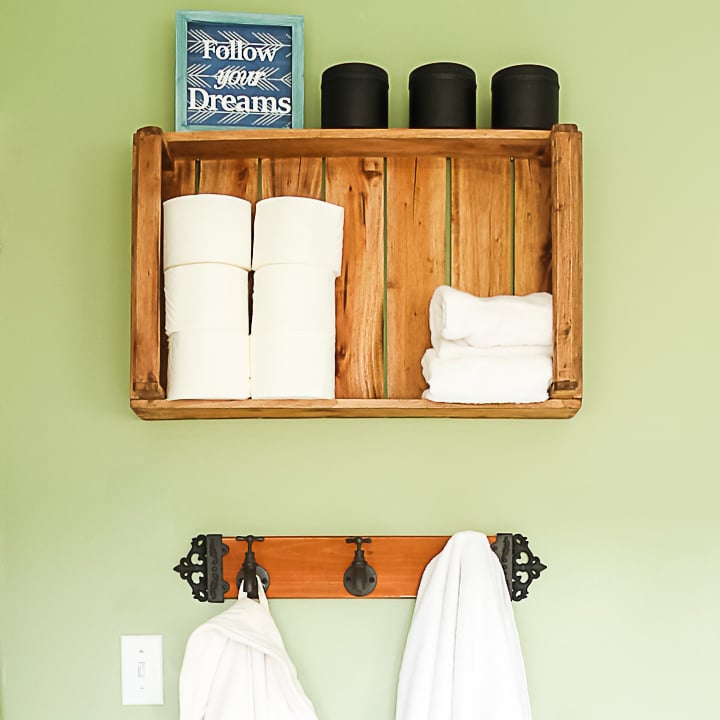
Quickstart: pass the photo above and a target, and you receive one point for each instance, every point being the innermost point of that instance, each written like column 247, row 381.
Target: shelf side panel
column 357, row 185
column 145, row 320
column 301, row 176
column 533, row 239
column 567, row 232
column 416, row 211
column 481, row 226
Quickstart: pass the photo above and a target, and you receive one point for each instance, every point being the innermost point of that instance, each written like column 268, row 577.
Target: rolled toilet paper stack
column 206, row 259
column 297, row 255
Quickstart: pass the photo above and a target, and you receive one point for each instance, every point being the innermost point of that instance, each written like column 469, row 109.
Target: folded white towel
column 449, row 349
column 236, row 668
column 491, row 377
column 462, row 659
column 489, row 321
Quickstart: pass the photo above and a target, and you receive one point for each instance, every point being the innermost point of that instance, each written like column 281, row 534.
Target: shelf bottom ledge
column 347, row 408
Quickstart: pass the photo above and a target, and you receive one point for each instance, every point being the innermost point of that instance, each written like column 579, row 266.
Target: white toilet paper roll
column 293, row 297
column 206, row 296
column 292, row 365
column 208, row 365
column 298, row 230
column 207, row 228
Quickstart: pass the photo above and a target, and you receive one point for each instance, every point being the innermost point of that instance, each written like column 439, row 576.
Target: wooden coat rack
column 329, row 567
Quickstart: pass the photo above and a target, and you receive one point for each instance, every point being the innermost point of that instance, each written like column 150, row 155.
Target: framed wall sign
column 238, row 70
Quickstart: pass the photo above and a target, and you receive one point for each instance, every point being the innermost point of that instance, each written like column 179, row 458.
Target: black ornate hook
column 520, row 565
column 250, row 571
column 360, row 579
column 202, row 568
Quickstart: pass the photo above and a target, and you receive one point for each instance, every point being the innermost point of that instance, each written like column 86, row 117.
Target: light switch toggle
column 141, row 669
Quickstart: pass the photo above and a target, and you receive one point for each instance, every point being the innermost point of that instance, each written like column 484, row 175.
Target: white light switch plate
column 141, row 669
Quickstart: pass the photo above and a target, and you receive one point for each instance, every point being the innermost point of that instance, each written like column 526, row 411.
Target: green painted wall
column 621, row 502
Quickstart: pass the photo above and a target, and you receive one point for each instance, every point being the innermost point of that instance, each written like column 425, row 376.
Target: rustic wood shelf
column 487, row 211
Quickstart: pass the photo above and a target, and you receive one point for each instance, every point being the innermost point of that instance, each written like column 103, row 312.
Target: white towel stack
column 206, row 258
column 297, row 254
column 488, row 350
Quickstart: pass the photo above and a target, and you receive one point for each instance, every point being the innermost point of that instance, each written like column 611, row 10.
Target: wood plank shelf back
column 490, row 212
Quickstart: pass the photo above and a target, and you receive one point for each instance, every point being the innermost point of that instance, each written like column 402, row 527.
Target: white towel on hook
column 462, row 659
column 236, row 668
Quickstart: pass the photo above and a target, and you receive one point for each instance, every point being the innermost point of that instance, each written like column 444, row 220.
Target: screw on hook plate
column 359, row 579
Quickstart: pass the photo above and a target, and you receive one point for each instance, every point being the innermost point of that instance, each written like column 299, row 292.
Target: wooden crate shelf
column 488, row 211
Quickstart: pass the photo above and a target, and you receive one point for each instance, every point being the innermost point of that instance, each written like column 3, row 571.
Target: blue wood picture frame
column 238, row 70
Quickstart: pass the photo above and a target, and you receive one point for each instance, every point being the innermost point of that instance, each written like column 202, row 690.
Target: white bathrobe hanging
column 236, row 668
column 462, row 659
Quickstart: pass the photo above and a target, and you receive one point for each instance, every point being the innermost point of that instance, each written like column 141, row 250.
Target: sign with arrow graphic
column 238, row 70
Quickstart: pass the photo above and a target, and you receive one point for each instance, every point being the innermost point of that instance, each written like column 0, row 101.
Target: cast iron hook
column 360, row 578
column 250, row 571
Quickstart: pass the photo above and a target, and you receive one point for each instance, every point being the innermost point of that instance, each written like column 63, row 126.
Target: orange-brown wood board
column 314, row 567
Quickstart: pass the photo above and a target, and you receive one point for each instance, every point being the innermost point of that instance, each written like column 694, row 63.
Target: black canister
column 525, row 97
column 443, row 95
column 354, row 95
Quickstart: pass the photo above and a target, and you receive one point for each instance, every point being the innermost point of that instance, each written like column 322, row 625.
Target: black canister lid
column 539, row 73
column 442, row 71
column 356, row 71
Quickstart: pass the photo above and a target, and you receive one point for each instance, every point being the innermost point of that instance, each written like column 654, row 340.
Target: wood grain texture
column 357, row 185
column 567, row 232
column 301, row 176
column 415, row 265
column 397, row 142
column 345, row 408
column 314, row 567
column 145, row 265
column 179, row 179
column 481, row 229
column 237, row 177
column 533, row 239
